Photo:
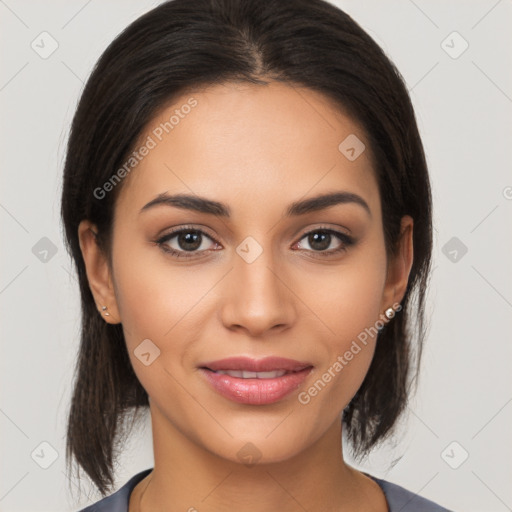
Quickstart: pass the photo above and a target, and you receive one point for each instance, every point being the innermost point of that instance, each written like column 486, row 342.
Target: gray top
column 398, row 498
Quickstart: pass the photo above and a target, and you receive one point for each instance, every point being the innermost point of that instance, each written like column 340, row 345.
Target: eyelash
column 346, row 241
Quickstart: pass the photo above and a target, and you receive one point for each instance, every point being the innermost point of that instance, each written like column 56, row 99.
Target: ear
column 98, row 272
column 399, row 267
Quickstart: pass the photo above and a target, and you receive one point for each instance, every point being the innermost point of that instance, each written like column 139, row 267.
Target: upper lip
column 267, row 364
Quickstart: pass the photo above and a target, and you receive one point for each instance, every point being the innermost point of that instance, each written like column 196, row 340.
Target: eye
column 321, row 239
column 186, row 240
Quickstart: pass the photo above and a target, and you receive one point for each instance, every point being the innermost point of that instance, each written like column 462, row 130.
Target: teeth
column 252, row 375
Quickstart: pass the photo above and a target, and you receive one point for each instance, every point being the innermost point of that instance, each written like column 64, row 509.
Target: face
column 257, row 276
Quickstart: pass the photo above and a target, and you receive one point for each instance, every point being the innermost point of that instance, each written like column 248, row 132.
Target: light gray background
column 464, row 108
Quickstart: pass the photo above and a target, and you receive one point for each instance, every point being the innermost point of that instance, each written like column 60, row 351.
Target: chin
column 259, row 449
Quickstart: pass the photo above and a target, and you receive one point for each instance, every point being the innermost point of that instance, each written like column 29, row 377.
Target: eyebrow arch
column 203, row 205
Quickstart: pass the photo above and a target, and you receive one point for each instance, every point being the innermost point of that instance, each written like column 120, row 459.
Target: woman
column 247, row 203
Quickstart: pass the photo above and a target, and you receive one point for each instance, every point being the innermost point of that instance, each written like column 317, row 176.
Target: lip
column 256, row 391
column 267, row 364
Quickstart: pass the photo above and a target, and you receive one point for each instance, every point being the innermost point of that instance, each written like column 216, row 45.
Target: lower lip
column 255, row 391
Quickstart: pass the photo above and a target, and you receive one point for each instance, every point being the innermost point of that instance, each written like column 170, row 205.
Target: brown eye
column 320, row 240
column 186, row 240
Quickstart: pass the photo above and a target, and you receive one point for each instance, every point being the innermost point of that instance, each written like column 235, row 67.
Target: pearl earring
column 104, row 308
column 390, row 313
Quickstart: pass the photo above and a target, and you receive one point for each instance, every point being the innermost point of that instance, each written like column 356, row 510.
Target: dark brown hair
column 185, row 44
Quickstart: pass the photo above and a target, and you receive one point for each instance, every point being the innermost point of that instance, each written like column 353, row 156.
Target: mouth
column 251, row 375
column 255, row 382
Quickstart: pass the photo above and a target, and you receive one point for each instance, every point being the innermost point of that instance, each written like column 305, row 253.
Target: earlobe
column 98, row 272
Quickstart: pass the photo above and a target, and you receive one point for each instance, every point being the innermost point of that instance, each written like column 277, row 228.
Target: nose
column 257, row 297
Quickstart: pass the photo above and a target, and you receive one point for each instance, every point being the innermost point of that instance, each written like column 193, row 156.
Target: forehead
column 269, row 142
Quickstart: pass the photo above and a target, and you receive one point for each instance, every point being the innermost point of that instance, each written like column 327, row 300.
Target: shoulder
column 400, row 499
column 119, row 501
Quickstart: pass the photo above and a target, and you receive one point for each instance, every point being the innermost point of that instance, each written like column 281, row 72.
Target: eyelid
column 345, row 239
column 207, row 231
column 324, row 227
column 187, row 227
column 169, row 235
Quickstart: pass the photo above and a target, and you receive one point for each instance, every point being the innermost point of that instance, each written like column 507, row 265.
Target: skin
column 257, row 149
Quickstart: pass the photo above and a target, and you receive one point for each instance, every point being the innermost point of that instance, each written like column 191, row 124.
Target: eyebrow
column 204, row 205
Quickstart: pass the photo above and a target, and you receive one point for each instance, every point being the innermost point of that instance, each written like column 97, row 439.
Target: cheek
column 151, row 310
column 152, row 295
column 360, row 305
column 350, row 307
column 163, row 303
column 348, row 299
column 146, row 296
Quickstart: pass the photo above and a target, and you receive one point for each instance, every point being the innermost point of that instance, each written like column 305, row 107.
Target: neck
column 188, row 477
